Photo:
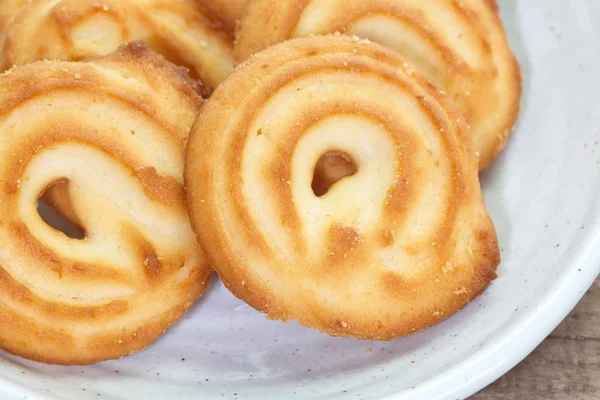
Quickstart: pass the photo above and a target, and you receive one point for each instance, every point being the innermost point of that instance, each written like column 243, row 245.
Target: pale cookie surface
column 461, row 44
column 397, row 246
column 114, row 130
column 73, row 30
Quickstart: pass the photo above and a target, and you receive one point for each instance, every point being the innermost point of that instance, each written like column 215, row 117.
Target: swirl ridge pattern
column 398, row 246
column 73, row 30
column 461, row 44
column 114, row 131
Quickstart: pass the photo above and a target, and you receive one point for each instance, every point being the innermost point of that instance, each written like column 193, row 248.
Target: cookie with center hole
column 113, row 132
column 396, row 239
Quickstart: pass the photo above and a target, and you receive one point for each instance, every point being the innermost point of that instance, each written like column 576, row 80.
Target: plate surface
column 544, row 198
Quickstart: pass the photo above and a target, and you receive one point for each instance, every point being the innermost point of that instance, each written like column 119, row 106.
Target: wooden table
column 566, row 366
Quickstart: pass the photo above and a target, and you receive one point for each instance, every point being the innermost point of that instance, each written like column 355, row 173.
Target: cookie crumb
column 461, row 291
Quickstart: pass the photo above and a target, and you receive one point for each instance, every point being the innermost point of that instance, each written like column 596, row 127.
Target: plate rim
column 520, row 337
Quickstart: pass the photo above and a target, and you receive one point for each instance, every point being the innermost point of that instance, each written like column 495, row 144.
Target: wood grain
column 566, row 366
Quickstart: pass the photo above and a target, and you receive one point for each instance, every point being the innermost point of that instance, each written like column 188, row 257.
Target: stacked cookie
column 330, row 179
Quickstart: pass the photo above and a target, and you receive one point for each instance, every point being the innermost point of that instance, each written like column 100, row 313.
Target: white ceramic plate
column 543, row 196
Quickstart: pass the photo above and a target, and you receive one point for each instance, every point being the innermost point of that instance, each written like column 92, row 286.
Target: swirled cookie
column 79, row 29
column 400, row 242
column 461, row 44
column 114, row 129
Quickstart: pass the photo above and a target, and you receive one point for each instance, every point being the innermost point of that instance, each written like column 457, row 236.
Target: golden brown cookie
column 74, row 30
column 228, row 12
column 461, row 44
column 115, row 130
column 401, row 242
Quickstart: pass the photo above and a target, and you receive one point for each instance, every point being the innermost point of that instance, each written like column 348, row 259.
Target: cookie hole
column 56, row 210
column 331, row 168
